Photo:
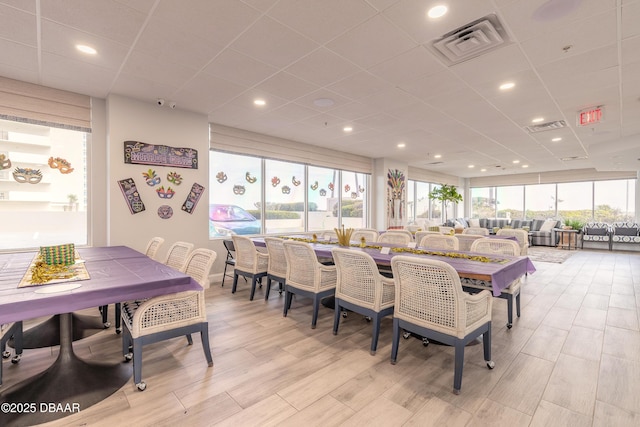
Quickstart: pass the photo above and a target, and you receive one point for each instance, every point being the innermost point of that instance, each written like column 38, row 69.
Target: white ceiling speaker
column 471, row 40
column 558, row 124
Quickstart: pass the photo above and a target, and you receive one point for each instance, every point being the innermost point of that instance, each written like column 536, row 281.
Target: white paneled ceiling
column 372, row 58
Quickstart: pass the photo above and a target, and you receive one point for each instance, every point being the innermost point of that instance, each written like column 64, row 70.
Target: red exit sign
column 590, row 116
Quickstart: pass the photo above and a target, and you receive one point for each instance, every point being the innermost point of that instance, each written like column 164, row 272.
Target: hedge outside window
column 323, row 195
column 354, row 190
column 284, row 197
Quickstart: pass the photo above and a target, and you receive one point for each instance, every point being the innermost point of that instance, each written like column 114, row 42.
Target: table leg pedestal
column 47, row 333
column 70, row 384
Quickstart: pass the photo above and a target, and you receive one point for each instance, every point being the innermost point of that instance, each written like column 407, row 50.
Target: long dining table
column 500, row 270
column 72, row 384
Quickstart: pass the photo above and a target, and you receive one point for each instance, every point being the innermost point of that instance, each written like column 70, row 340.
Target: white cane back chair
column 440, row 241
column 396, row 237
column 466, row 240
column 490, row 246
column 177, row 255
column 277, row 266
column 250, row 263
column 370, row 235
column 430, row 302
column 420, row 235
column 307, row 277
column 521, row 235
column 152, row 247
column 168, row 316
column 361, row 288
column 479, row 231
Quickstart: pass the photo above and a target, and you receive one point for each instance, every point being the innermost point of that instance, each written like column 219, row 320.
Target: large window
column 509, row 202
column 575, row 201
column 422, row 202
column 43, row 186
column 235, row 185
column 605, row 201
column 251, row 195
column 284, row 197
column 614, row 200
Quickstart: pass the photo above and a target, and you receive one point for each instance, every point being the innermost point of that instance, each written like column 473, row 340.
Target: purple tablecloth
column 501, row 275
column 118, row 273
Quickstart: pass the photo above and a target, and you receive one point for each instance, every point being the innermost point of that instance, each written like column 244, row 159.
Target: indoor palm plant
column 446, row 194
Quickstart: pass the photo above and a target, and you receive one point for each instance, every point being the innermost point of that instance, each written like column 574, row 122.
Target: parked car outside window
column 227, row 220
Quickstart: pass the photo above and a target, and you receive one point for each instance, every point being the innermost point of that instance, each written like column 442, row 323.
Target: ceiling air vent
column 571, row 158
column 558, row 124
column 471, row 40
column 435, row 163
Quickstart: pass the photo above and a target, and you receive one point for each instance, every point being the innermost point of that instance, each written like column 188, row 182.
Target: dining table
column 500, row 270
column 71, row 383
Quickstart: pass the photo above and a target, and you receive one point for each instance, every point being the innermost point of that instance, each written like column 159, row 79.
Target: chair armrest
column 168, row 312
column 478, row 306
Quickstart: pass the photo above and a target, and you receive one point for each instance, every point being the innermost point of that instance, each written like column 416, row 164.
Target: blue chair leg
column 287, row 301
column 336, row 317
column 518, row 304
column 486, row 342
column 459, row 364
column 376, row 332
column 235, row 282
column 509, row 311
column 395, row 341
column 316, row 309
column 254, row 281
column 137, row 361
column 204, row 335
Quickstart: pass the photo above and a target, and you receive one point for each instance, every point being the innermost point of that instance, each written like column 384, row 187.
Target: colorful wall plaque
column 140, row 153
column 131, row 195
column 192, row 199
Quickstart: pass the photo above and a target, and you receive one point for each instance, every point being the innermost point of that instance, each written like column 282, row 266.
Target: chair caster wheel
column 367, row 318
column 128, row 357
column 344, row 314
column 509, row 326
column 425, row 342
column 118, row 331
column 141, row 386
column 6, row 354
column 107, row 325
column 16, row 359
column 491, row 364
column 406, row 335
column 456, row 391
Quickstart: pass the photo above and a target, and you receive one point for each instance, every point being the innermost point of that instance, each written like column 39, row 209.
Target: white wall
column 128, row 119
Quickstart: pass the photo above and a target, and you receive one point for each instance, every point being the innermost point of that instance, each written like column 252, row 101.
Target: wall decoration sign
column 24, row 175
column 61, row 164
column 286, row 189
column 140, row 153
column 323, row 192
column 165, row 212
column 192, row 199
column 174, row 178
column 131, row 195
column 239, row 190
column 314, row 186
column 221, row 177
column 151, row 178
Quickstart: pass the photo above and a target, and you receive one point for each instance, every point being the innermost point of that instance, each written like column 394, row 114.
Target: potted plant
column 73, row 202
column 575, row 224
column 446, row 194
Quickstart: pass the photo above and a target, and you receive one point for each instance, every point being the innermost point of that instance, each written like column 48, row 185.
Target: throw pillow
column 548, row 225
column 596, row 231
column 474, row 222
column 626, row 231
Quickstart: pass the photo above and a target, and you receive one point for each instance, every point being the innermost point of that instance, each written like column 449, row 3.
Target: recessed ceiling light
column 323, row 102
column 437, row 156
column 537, row 120
column 402, row 145
column 86, row 49
column 556, row 139
column 260, row 102
column 525, row 166
column 437, row 11
column 347, row 128
column 515, row 162
column 471, row 166
column 507, row 86
column 483, row 170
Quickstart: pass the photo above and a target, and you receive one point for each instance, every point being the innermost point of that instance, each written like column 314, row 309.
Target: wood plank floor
column 572, row 359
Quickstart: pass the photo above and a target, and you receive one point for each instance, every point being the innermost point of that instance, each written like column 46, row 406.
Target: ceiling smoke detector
column 558, row 124
column 471, row 40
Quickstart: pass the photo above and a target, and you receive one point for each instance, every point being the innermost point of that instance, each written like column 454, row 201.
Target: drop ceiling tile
column 287, row 86
column 630, row 18
column 387, row 100
column 150, row 68
column 17, row 25
column 216, row 20
column 353, row 111
column 106, row 18
column 143, row 6
column 359, row 85
column 324, row 20
column 26, row 6
column 239, row 68
column 66, row 73
column 141, row 87
column 307, row 100
column 262, row 5
column 212, row 91
column 427, row 88
column 372, row 42
column 322, row 67
column 18, row 55
column 407, row 66
column 273, row 43
column 630, row 50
